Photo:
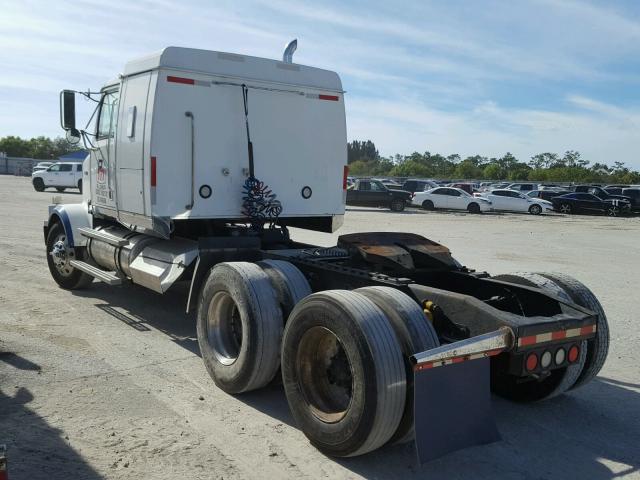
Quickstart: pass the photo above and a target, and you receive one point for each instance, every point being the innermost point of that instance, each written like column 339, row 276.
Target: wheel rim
column 613, row 212
column 224, row 328
column 325, row 374
column 61, row 255
column 535, row 209
column 565, row 208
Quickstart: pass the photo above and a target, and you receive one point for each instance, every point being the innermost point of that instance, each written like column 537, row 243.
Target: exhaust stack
column 287, row 56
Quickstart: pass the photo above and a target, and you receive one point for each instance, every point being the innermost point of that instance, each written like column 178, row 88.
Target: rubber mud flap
column 453, row 409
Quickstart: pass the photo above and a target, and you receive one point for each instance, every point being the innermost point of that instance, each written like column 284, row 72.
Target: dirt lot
column 107, row 382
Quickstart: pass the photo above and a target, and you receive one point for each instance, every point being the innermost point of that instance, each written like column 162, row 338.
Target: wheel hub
column 61, row 255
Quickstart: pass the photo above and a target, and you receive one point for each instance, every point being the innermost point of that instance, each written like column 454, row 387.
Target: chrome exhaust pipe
column 287, row 56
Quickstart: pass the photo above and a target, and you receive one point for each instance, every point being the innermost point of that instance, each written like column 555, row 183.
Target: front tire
column 38, row 184
column 535, row 209
column 397, row 205
column 566, row 209
column 239, row 326
column 343, row 373
column 473, row 208
column 59, row 254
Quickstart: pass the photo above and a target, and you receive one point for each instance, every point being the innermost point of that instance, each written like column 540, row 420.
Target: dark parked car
column 414, row 186
column 588, row 203
column 601, row 193
column 373, row 193
column 546, row 194
column 632, row 194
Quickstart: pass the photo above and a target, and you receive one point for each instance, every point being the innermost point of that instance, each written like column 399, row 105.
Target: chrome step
column 103, row 236
column 106, row 277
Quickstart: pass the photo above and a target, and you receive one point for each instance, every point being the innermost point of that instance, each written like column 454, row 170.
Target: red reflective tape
column 531, row 340
column 345, row 174
column 587, row 330
column 153, row 171
column 186, row 81
column 459, row 359
column 333, row 98
column 558, row 335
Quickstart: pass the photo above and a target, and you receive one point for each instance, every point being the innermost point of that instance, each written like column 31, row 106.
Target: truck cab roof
column 235, row 66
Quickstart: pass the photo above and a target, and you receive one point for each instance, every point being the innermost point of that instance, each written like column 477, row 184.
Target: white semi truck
column 200, row 161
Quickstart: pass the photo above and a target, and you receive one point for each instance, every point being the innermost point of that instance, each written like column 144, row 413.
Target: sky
column 465, row 77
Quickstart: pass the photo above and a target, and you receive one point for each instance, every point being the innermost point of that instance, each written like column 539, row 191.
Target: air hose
column 259, row 203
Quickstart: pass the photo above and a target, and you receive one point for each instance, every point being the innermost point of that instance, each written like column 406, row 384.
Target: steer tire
column 343, row 373
column 415, row 334
column 559, row 380
column 38, row 184
column 473, row 208
column 239, row 327
column 66, row 276
column 428, row 205
column 598, row 346
column 535, row 209
column 290, row 284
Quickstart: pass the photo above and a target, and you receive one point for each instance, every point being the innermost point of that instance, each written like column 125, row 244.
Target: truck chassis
column 357, row 330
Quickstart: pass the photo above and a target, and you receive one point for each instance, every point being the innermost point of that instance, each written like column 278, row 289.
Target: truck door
column 131, row 151
column 104, row 154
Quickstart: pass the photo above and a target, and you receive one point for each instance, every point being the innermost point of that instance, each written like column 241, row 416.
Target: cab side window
column 65, row 167
column 108, row 115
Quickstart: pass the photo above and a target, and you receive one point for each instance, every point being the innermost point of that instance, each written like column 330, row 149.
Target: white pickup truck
column 61, row 175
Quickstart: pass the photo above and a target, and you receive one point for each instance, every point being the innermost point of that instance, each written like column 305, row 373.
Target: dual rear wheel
column 344, row 355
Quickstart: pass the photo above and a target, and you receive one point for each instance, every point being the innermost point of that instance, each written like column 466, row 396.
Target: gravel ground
column 107, row 382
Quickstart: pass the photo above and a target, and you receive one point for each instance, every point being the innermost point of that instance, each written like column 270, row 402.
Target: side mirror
column 68, row 112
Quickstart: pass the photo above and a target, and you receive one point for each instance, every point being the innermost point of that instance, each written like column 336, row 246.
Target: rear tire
column 38, row 184
column 473, row 208
column 397, row 205
column 343, row 373
column 59, row 254
column 535, row 209
column 415, row 334
column 428, row 205
column 598, row 346
column 559, row 380
column 290, row 284
column 239, row 326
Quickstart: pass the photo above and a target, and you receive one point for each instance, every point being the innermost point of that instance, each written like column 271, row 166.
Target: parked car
column 633, row 194
column 579, row 202
column 601, row 193
column 413, row 186
column 507, row 200
column 40, row 166
column 60, row 176
column 373, row 193
column 546, row 194
column 523, row 187
column 451, row 199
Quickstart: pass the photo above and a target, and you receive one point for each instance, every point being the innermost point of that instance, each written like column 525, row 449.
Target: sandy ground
column 107, row 382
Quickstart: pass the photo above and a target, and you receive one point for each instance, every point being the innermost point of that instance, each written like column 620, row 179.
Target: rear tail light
column 560, row 356
column 532, row 362
column 545, row 359
column 345, row 174
column 574, row 353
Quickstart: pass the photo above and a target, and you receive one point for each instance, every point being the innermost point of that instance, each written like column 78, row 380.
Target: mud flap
column 453, row 408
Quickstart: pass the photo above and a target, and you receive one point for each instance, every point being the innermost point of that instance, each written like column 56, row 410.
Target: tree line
column 41, row 148
column 364, row 159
